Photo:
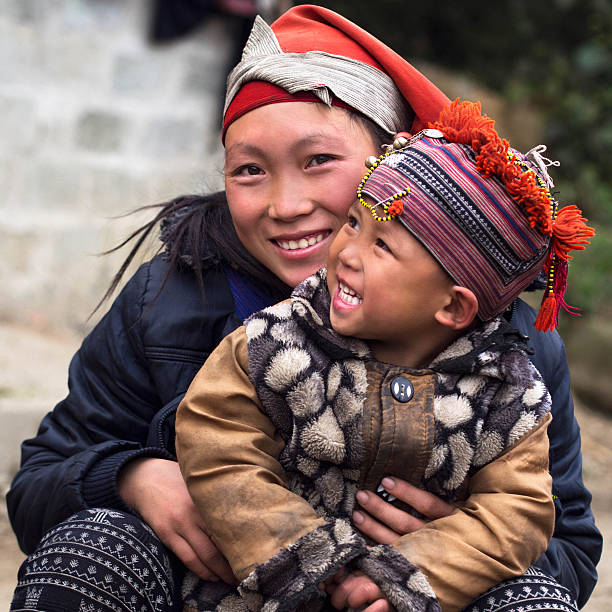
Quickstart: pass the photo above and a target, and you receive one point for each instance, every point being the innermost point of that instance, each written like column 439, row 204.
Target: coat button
column 402, row 389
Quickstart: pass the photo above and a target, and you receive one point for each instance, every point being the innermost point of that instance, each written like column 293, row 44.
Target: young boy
column 395, row 360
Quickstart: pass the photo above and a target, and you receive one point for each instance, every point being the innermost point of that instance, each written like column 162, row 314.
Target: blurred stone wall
column 94, row 121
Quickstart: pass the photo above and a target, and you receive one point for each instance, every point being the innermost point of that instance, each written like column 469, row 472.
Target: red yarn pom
column 463, row 123
column 548, row 315
column 570, row 232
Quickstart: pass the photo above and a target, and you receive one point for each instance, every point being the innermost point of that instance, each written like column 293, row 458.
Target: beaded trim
column 392, row 206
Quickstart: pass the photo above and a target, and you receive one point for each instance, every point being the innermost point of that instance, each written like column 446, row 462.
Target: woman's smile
column 291, row 173
column 301, row 242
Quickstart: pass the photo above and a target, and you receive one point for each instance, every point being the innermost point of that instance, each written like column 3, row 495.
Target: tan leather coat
column 228, row 451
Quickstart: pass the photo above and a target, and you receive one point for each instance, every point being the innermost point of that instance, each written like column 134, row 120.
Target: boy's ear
column 461, row 311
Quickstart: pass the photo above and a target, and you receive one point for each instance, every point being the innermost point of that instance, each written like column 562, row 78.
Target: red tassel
column 549, row 313
column 560, row 285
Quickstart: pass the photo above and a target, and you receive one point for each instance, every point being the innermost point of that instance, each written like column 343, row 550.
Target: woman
column 107, row 450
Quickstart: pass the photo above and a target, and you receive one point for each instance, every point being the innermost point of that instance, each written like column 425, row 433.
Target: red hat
column 307, row 28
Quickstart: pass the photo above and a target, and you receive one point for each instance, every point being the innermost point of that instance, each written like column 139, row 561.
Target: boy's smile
column 346, row 297
column 385, row 287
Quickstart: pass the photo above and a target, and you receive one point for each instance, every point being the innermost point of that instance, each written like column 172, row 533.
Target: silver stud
column 371, row 161
column 400, row 143
column 431, row 133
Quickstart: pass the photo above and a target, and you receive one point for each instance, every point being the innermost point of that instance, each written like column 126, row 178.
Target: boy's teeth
column 302, row 243
column 349, row 295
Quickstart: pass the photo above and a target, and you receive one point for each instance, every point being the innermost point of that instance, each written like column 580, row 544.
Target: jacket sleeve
column 500, row 529
column 273, row 539
column 73, row 461
column 576, row 545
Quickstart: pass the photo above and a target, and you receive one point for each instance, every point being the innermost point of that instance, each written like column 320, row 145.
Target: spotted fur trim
column 290, row 578
column 403, row 584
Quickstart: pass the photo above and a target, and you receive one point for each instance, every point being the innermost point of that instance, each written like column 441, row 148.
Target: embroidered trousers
column 105, row 560
column 99, row 561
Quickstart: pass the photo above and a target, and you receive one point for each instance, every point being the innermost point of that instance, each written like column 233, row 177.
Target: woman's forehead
column 303, row 122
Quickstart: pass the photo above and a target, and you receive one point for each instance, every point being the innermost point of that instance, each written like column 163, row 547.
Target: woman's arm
column 576, row 545
column 73, row 461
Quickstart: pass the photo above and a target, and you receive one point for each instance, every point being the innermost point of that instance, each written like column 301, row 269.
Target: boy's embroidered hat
column 313, row 54
column 482, row 209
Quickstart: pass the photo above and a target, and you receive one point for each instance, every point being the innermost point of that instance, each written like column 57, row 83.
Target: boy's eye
column 352, row 222
column 382, row 245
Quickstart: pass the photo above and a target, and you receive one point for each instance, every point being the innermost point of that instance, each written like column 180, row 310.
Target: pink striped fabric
column 469, row 223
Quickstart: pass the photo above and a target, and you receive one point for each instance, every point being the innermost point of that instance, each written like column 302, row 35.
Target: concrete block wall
column 94, row 121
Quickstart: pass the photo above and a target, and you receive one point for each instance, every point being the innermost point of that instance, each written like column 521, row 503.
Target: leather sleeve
column 501, row 529
column 239, row 487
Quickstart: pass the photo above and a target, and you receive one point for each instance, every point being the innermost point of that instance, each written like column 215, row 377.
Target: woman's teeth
column 302, row 243
column 348, row 295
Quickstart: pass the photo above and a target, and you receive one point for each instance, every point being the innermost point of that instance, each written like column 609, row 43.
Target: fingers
column 183, row 550
column 380, row 605
column 155, row 487
column 390, row 522
column 373, row 529
column 355, row 591
column 384, row 523
column 426, row 503
column 208, row 556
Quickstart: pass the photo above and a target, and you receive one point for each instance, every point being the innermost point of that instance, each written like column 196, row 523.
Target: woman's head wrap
column 313, row 54
column 481, row 208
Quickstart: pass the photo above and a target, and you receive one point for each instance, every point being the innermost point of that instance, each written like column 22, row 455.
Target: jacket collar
column 476, row 352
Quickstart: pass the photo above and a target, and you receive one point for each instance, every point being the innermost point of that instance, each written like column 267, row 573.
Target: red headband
column 261, row 93
column 306, row 28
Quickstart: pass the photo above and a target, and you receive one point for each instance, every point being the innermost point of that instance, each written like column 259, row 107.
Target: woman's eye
column 382, row 245
column 319, row 160
column 248, row 170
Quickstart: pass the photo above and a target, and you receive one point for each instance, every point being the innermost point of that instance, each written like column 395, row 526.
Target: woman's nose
column 287, row 202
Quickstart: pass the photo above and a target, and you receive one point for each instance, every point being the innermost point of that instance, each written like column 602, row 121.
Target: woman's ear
column 461, row 310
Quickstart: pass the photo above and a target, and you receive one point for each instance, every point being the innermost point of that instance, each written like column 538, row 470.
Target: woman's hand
column 384, row 523
column 156, row 490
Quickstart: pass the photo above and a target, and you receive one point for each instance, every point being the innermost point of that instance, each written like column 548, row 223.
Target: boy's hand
column 156, row 490
column 384, row 523
column 355, row 591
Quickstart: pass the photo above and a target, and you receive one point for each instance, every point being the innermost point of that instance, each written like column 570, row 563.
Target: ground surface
column 33, row 368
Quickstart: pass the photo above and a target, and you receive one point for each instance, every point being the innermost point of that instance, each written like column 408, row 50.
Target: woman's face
column 291, row 172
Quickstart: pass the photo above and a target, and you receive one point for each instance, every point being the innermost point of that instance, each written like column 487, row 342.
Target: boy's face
column 385, row 287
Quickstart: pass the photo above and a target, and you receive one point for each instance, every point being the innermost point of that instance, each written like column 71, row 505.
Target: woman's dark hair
column 198, row 231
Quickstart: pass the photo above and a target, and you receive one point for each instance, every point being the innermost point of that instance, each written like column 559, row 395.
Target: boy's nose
column 348, row 256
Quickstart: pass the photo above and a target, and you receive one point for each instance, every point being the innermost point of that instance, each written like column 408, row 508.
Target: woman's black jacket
column 129, row 375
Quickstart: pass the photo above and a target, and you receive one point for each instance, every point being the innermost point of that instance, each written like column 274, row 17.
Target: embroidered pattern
column 96, row 561
column 531, row 592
